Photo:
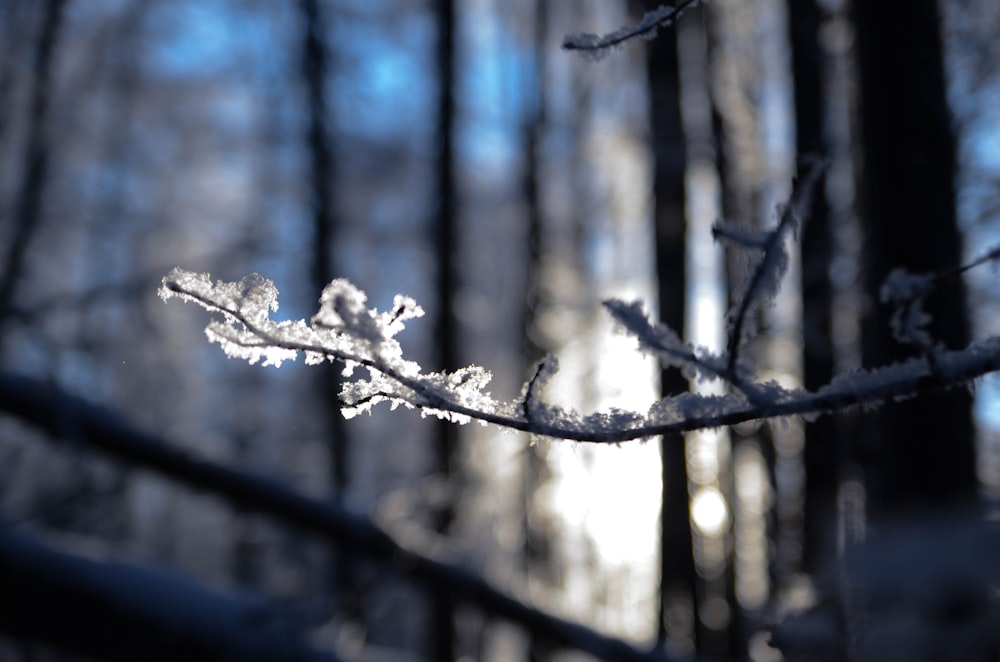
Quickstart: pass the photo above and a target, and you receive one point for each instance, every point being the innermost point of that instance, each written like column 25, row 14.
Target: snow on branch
column 597, row 47
column 345, row 330
column 665, row 343
column 907, row 293
column 765, row 279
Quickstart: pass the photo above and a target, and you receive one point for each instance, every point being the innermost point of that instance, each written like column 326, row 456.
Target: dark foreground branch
column 66, row 416
column 114, row 611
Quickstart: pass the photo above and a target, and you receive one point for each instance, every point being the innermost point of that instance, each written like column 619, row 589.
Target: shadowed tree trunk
column 922, row 448
column 822, row 445
column 677, row 570
column 442, row 640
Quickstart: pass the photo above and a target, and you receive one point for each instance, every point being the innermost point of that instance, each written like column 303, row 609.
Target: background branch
column 60, row 414
column 116, row 611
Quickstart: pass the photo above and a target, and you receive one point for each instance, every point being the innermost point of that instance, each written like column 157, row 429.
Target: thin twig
column 774, row 248
column 596, row 45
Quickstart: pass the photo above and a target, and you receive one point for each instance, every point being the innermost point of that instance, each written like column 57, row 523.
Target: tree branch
column 59, row 413
column 598, row 46
column 765, row 279
column 443, row 394
column 122, row 612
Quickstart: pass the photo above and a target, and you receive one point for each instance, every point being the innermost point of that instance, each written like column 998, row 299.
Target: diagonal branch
column 766, row 277
column 103, row 610
column 58, row 413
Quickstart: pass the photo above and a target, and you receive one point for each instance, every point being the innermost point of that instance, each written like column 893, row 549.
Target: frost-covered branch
column 345, row 330
column 765, row 279
column 597, row 46
column 907, row 293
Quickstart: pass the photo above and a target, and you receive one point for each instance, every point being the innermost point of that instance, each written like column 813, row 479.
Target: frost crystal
column 664, row 342
column 907, row 292
column 344, row 329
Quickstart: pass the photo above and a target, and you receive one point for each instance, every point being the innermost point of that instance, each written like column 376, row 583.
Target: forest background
column 452, row 151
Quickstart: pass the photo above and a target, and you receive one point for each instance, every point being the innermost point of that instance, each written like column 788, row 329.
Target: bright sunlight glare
column 709, row 511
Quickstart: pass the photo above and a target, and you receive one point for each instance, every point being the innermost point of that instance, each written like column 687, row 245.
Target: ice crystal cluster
column 344, row 330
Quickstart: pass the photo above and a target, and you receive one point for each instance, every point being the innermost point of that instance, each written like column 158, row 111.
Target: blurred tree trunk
column 537, row 550
column 733, row 80
column 534, row 131
column 922, row 448
column 322, row 168
column 27, row 212
column 822, row 445
column 11, row 30
column 442, row 639
column 678, row 579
